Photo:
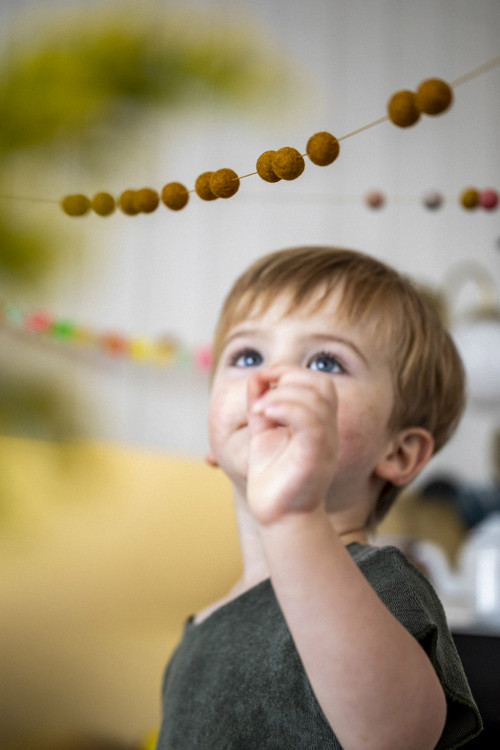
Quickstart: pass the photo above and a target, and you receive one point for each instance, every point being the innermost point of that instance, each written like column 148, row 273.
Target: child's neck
column 254, row 561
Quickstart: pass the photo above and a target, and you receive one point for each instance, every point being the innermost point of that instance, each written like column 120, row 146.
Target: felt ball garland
column 404, row 108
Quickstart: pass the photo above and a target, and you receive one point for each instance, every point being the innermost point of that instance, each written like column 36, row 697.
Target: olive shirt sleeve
column 407, row 593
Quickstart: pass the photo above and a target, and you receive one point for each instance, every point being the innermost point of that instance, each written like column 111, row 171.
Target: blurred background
column 107, row 514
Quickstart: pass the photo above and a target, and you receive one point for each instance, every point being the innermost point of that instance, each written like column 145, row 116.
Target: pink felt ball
column 374, row 199
column 488, row 199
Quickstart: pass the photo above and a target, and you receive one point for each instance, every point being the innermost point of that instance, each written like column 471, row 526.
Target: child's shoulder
column 400, row 584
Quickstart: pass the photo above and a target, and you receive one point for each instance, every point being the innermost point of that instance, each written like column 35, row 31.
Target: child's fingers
column 314, row 392
column 296, row 408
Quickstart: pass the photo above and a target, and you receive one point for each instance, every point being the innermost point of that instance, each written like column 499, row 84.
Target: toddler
column 333, row 383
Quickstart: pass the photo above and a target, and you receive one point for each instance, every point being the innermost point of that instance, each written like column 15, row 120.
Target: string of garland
column 166, row 351
column 404, row 109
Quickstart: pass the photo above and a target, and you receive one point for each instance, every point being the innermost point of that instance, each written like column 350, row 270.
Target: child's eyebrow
column 237, row 333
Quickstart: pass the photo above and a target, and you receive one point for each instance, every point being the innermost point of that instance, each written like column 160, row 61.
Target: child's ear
column 406, row 456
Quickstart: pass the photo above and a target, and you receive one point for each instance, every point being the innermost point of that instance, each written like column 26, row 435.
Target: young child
column 333, row 383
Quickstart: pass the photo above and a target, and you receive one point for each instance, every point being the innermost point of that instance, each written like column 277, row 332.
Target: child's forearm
column 372, row 679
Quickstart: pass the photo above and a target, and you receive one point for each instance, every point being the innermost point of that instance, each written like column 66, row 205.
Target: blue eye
column 246, row 358
column 324, row 362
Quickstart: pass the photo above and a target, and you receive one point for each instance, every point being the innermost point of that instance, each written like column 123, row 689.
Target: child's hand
column 293, row 441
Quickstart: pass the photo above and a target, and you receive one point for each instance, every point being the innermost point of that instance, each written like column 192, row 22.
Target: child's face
column 327, row 346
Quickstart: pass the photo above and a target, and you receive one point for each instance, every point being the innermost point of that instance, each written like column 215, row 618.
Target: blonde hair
column 428, row 376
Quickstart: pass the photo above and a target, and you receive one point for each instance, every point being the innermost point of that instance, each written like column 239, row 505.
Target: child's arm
column 373, row 681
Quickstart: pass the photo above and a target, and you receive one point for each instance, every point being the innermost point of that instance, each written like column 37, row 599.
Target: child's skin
column 298, row 420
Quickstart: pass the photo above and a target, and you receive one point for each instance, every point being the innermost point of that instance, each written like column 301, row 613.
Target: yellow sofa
column 104, row 551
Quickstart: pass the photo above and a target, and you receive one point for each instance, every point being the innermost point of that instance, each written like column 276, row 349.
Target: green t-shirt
column 236, row 682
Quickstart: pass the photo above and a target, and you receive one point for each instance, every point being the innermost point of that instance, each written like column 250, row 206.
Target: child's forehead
column 286, row 302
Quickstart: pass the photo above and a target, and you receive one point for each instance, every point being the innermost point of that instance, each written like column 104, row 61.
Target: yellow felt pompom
column 146, row 200
column 402, row 108
column 174, row 196
column 264, row 167
column 224, row 183
column 322, row 148
column 103, row 204
column 127, row 204
column 75, row 205
column 469, row 198
column 202, row 187
column 433, row 96
column 288, row 163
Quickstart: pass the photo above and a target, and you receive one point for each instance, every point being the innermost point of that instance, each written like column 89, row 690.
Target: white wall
column 168, row 272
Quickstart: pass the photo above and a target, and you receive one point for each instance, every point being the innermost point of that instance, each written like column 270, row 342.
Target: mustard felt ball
column 202, row 187
column 146, row 200
column 264, row 167
column 433, row 96
column 322, row 148
column 75, row 205
column 103, row 204
column 175, row 196
column 287, row 163
column 469, row 198
column 224, row 183
column 127, row 204
column 402, row 109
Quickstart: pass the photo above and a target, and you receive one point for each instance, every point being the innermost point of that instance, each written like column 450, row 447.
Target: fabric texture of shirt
column 236, row 682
